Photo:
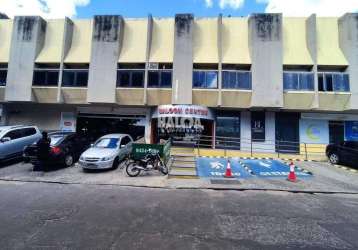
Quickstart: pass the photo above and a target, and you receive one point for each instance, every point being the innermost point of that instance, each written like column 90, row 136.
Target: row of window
column 208, row 79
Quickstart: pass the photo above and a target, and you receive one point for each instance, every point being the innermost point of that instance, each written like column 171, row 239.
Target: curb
column 345, row 168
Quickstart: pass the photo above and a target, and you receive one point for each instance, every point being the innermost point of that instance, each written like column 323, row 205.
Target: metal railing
column 252, row 148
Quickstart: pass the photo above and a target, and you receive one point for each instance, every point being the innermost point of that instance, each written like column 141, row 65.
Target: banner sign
column 258, row 126
column 314, row 131
column 351, row 131
column 68, row 122
column 188, row 111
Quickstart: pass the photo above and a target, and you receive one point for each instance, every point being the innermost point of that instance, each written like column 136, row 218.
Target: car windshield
column 107, row 143
column 55, row 139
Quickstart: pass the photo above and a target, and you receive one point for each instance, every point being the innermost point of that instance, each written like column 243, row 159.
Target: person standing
column 43, row 150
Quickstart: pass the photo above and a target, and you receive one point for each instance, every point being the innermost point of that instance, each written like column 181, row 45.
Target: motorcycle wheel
column 163, row 168
column 132, row 170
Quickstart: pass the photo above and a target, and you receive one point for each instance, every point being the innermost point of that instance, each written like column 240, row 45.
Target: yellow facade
column 295, row 50
column 162, row 48
column 5, row 40
column 80, row 51
column 235, row 41
column 134, row 41
column 205, row 41
column 52, row 50
column 328, row 49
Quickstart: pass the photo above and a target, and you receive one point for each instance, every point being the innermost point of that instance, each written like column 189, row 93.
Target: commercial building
column 277, row 81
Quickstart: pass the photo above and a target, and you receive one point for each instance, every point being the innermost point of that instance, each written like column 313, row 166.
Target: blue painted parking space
column 271, row 168
column 216, row 167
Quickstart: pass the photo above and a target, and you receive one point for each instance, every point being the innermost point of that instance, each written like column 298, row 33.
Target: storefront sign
column 351, row 131
column 190, row 111
column 314, row 131
column 68, row 122
column 258, row 126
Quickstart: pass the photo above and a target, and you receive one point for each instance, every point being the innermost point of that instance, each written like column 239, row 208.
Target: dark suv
column 343, row 153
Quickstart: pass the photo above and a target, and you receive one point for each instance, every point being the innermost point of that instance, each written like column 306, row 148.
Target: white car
column 106, row 152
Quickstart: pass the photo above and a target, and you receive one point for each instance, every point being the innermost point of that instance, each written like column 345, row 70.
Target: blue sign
column 271, row 168
column 216, row 167
column 351, row 131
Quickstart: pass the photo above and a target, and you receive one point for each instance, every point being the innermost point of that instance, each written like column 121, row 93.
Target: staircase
column 183, row 165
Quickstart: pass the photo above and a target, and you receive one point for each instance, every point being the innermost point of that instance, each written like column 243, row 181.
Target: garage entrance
column 98, row 125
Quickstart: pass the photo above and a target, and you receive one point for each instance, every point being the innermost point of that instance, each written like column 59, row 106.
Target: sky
column 168, row 8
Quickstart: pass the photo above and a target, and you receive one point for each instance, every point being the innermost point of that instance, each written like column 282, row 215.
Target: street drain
column 224, row 182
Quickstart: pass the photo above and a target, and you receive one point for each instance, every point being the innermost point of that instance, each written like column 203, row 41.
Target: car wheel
column 68, row 160
column 115, row 163
column 334, row 158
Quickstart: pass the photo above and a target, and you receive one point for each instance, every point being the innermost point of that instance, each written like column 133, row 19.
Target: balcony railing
column 75, row 78
column 298, row 81
column 45, row 77
column 234, row 79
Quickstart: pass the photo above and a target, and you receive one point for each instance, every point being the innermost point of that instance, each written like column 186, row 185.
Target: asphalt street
column 63, row 216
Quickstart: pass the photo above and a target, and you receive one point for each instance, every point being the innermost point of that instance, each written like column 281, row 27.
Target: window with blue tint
column 290, row 81
column 306, row 81
column 205, row 79
column 75, row 78
column 338, row 82
column 236, row 80
column 160, row 79
column 298, row 81
column 244, row 80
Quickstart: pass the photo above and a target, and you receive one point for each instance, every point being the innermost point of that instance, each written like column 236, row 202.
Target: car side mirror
column 5, row 139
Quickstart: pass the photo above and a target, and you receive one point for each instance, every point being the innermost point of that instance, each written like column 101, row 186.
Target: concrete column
column 147, row 54
column 266, row 49
column 27, row 41
column 348, row 40
column 245, row 131
column 183, row 59
column 220, row 49
column 106, row 45
column 311, row 38
column 66, row 46
column 148, row 126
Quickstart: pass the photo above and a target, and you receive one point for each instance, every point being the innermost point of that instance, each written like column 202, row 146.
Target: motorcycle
column 151, row 161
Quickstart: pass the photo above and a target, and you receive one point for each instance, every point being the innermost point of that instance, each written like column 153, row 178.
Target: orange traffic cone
column 292, row 174
column 228, row 173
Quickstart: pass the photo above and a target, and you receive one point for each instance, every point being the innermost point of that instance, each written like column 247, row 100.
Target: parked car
column 107, row 152
column 65, row 149
column 13, row 139
column 343, row 153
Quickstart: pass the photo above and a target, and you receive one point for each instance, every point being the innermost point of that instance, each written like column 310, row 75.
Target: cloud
column 233, row 4
column 44, row 8
column 223, row 4
column 307, row 7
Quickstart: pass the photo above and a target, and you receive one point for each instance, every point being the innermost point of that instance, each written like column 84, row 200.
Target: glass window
column 166, row 79
column 3, row 75
column 153, row 79
column 211, row 80
column 333, row 82
column 123, row 78
column 29, row 131
column 290, row 81
column 244, row 80
column 45, row 77
column 320, row 82
column 229, row 80
column 75, row 78
column 306, row 81
column 205, row 79
column 14, row 134
column 341, row 82
column 137, row 79
column 107, row 143
column 328, row 82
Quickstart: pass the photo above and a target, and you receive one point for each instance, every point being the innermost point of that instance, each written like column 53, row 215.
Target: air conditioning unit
column 153, row 66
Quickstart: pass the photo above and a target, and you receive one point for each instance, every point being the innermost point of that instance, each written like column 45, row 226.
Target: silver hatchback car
column 13, row 139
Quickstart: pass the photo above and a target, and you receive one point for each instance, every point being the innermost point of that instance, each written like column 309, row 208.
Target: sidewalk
column 326, row 179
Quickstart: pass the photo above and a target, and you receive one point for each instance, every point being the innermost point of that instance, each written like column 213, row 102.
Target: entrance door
column 287, row 133
column 336, row 132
